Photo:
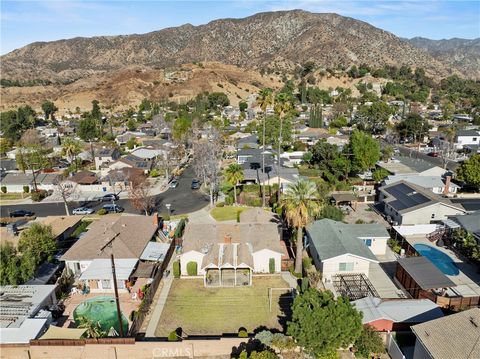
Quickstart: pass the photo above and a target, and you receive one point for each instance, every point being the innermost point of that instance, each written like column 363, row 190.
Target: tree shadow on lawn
column 285, row 302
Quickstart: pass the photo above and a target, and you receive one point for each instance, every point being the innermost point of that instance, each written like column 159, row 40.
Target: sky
column 23, row 22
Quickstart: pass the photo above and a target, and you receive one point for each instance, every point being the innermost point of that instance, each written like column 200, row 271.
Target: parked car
column 83, row 210
column 174, row 184
column 109, row 197
column 433, row 154
column 113, row 208
column 21, row 213
column 195, row 184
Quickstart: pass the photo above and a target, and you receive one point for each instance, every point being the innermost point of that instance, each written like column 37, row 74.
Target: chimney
column 227, row 239
column 155, row 219
column 447, row 185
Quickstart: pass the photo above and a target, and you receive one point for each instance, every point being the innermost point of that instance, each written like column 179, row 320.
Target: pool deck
column 127, row 305
column 467, row 280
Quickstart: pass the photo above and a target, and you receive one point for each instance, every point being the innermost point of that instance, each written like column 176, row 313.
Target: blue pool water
column 441, row 260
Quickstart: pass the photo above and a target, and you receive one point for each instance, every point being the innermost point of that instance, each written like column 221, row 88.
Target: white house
column 339, row 248
column 406, row 203
column 229, row 254
column 467, row 138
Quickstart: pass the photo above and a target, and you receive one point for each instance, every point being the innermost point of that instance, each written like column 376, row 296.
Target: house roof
column 469, row 222
column 406, row 165
column 102, row 269
column 397, row 311
column 84, row 177
column 332, row 239
column 136, row 162
column 474, row 132
column 405, row 197
column 132, row 234
column 105, row 152
column 425, row 273
column 122, row 174
column 231, row 244
column 454, row 336
column 61, row 223
column 428, row 182
column 21, row 302
column 27, row 179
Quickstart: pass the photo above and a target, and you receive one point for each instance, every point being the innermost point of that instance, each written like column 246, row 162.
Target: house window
column 106, row 284
column 433, row 215
column 474, row 139
column 120, row 284
column 368, row 242
column 343, row 267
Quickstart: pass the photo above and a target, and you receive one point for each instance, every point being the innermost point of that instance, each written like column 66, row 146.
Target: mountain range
column 272, row 40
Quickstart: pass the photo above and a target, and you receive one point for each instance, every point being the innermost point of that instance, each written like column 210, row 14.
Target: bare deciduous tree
column 206, row 160
column 140, row 195
column 66, row 190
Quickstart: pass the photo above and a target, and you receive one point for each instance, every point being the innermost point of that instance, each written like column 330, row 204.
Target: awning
column 144, row 270
column 62, row 333
column 102, row 269
column 155, row 251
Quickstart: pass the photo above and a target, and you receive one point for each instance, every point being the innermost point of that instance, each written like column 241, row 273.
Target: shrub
column 4, row 189
column 395, row 245
column 165, row 216
column 229, row 200
column 26, row 189
column 102, row 211
column 154, row 173
column 37, row 196
column 332, row 212
column 271, row 265
column 238, row 216
column 307, row 262
column 192, row 268
column 176, row 269
column 173, row 337
column 242, row 333
column 220, row 204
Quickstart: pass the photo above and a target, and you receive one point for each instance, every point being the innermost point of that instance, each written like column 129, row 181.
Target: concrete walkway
column 290, row 279
column 201, row 216
column 159, row 303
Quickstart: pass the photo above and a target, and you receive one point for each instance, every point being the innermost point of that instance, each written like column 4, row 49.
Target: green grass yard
column 13, row 196
column 227, row 213
column 213, row 311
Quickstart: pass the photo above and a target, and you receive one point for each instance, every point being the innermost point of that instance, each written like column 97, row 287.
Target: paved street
column 182, row 199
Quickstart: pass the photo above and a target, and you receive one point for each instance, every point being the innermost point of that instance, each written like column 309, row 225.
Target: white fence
column 393, row 349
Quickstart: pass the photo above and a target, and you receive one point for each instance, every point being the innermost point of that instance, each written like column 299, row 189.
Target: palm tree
column 93, row 329
column 70, row 149
column 234, row 175
column 301, row 204
column 264, row 100
column 282, row 106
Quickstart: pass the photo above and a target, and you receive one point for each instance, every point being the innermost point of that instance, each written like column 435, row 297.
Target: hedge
column 176, row 269
column 173, row 337
column 271, row 265
column 4, row 189
column 192, row 268
column 26, row 189
column 242, row 333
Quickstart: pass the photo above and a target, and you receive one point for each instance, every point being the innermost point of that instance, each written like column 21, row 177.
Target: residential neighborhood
column 325, row 209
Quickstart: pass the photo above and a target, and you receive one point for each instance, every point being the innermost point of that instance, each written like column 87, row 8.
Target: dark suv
column 195, row 184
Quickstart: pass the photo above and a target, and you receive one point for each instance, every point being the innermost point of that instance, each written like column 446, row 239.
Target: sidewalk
column 201, row 216
column 159, row 303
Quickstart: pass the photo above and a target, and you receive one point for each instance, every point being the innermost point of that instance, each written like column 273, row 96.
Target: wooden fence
column 148, row 298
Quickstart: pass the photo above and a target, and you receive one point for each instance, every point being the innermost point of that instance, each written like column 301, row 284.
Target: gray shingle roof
column 469, row 222
column 425, row 273
column 454, row 336
column 332, row 239
column 405, row 197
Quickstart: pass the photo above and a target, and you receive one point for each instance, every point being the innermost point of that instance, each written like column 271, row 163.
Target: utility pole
column 115, row 287
column 278, row 165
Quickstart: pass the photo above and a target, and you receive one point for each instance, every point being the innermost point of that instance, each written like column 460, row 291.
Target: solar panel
column 405, row 197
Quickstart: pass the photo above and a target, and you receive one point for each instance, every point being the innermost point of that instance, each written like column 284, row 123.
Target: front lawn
column 9, row 196
column 227, row 213
column 213, row 311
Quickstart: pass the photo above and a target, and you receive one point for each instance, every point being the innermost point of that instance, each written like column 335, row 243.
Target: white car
column 83, row 210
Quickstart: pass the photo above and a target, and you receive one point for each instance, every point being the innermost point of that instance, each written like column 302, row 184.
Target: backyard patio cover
column 155, row 251
column 344, row 197
column 62, row 333
column 425, row 273
column 102, row 269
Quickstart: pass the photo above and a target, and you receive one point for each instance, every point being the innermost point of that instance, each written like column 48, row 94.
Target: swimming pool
column 441, row 260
